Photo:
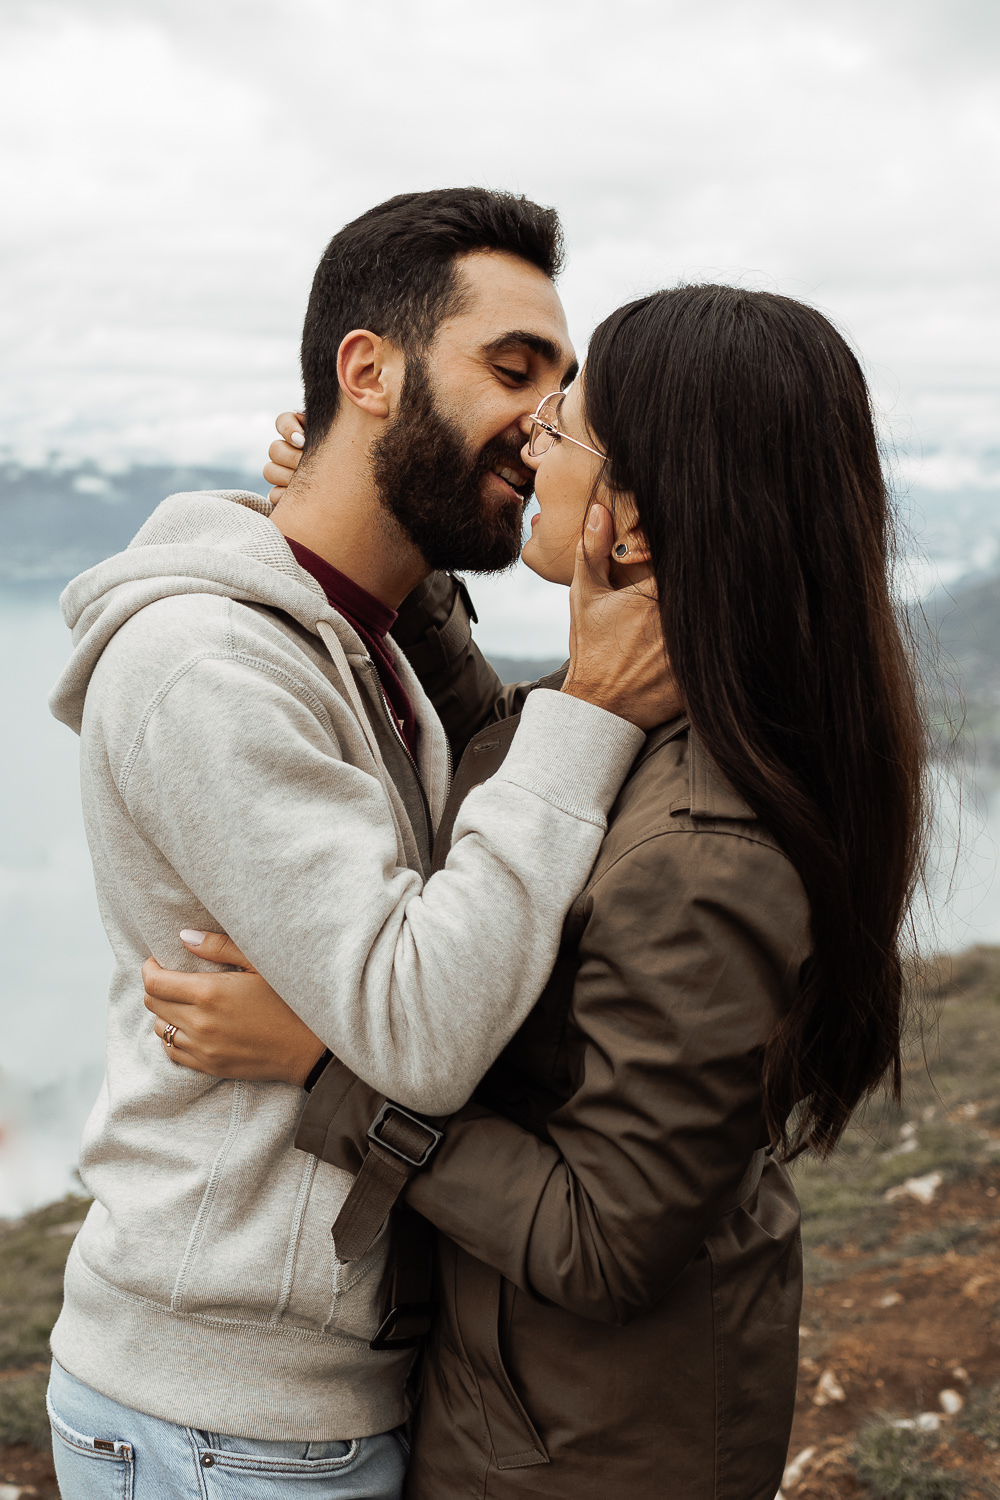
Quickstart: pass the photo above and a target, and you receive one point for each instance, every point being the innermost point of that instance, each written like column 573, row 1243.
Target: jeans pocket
column 232, row 1458
column 365, row 1469
column 90, row 1468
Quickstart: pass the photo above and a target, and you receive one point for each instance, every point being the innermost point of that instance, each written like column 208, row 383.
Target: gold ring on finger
column 168, row 1035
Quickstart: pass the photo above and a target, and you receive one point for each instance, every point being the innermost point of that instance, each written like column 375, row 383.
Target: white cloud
column 177, row 168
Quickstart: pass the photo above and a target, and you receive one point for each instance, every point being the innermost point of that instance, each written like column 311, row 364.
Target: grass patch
column 981, row 1416
column 23, row 1418
column 942, row 1238
column 942, row 1126
column 33, row 1253
column 894, row 1464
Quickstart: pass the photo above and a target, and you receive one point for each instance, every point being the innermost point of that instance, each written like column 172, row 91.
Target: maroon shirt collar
column 372, row 620
column 344, row 595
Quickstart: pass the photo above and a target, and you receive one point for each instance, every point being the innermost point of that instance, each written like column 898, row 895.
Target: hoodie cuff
column 572, row 753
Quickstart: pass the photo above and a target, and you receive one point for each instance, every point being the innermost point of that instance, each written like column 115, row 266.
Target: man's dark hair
column 393, row 271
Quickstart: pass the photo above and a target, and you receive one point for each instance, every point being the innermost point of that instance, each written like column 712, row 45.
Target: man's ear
column 370, row 372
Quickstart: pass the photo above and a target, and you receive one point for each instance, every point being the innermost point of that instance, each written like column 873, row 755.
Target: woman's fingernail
column 594, row 518
column 192, row 938
column 297, row 440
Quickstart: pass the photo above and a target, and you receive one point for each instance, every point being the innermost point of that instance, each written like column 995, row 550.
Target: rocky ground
column 899, row 1372
column 899, row 1388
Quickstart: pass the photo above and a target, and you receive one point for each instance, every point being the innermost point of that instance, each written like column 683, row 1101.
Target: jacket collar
column 709, row 794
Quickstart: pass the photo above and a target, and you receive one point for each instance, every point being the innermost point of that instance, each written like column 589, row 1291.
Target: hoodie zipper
column 393, row 725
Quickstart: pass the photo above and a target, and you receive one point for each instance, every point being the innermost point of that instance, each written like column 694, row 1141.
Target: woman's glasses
column 545, row 428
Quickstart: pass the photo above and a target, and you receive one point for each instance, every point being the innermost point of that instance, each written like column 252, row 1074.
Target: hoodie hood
column 204, row 542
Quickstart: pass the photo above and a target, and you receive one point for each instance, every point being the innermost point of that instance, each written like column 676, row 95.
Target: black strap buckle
column 403, row 1326
column 435, row 1137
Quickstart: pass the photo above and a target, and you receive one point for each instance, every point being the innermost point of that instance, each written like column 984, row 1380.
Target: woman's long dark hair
column 741, row 423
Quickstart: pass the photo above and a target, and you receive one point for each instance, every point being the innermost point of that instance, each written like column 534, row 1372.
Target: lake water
column 55, row 961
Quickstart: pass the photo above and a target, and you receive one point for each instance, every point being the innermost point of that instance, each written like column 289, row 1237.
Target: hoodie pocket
column 321, row 1292
column 345, row 1299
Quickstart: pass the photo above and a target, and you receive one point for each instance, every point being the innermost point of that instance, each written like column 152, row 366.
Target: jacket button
column 207, row 1460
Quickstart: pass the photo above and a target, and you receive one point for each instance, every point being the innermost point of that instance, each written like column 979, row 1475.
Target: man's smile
column 516, row 483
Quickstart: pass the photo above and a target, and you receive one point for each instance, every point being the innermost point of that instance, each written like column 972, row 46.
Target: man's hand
column 228, row 1025
column 617, row 657
column 285, row 453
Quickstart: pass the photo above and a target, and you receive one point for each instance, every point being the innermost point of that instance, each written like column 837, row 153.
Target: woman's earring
column 621, row 551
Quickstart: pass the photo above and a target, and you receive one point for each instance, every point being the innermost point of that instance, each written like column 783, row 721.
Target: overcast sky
column 173, row 170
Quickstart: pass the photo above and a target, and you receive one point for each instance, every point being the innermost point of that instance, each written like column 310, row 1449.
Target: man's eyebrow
column 522, row 338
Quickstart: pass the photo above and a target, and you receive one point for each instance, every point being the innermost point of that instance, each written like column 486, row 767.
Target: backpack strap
column 399, row 1145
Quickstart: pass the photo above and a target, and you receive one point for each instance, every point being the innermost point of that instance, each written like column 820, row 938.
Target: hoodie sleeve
column 237, row 776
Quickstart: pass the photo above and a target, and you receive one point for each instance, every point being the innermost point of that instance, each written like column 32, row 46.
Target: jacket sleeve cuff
column 572, row 753
column 334, row 1122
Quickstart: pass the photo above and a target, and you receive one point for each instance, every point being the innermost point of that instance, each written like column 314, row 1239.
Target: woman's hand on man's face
column 285, row 452
column 228, row 1025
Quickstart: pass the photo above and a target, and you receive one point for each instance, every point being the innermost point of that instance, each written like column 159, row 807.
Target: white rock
column 928, row 1421
column 907, row 1141
column 950, row 1402
column 795, row 1470
column 11, row 1492
column 959, row 1374
column 923, row 1188
column 828, row 1389
column 891, row 1299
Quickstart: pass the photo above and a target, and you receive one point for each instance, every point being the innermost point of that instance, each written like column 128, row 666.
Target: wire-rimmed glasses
column 545, row 429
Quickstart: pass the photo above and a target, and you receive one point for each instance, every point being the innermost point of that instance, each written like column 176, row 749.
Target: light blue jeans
column 104, row 1451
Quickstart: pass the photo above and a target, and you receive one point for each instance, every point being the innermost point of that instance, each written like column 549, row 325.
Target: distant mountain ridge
column 959, row 630
column 57, row 522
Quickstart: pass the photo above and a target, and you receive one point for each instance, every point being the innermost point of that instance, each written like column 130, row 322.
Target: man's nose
column 524, row 420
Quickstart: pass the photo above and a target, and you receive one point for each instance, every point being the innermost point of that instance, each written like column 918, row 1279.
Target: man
column 258, row 757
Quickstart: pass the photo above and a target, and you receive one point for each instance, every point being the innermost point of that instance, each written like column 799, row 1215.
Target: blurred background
column 172, row 173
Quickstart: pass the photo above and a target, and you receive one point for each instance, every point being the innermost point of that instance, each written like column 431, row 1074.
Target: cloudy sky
column 173, row 170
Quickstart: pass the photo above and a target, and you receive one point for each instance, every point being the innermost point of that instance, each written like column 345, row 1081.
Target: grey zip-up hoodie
column 240, row 772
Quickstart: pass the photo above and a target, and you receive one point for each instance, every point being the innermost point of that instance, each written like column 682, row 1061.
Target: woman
column 619, row 1272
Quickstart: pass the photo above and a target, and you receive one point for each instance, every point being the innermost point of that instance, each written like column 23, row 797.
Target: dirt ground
column 894, row 1335
column 30, row 1472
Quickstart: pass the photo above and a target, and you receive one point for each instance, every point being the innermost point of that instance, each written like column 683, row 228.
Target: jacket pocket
column 515, row 1443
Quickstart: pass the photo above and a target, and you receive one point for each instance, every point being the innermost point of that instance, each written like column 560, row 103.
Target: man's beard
column 429, row 481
